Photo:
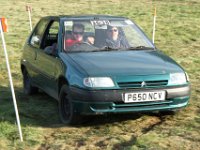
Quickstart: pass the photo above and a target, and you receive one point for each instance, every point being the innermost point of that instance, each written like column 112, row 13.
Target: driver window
column 50, row 40
column 37, row 35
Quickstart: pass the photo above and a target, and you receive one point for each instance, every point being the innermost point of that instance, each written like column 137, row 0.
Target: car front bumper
column 111, row 101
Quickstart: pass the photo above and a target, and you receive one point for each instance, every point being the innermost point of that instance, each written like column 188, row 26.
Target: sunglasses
column 80, row 33
column 113, row 30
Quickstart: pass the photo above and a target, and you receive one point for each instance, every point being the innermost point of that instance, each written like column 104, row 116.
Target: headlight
column 177, row 78
column 98, row 82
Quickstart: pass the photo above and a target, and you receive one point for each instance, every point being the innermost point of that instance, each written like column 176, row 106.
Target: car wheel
column 66, row 110
column 28, row 88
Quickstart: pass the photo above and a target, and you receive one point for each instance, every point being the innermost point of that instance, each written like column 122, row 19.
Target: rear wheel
column 66, row 109
column 28, row 88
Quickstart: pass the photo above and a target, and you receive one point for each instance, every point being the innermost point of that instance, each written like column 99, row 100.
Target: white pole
column 154, row 25
column 11, row 82
column 29, row 15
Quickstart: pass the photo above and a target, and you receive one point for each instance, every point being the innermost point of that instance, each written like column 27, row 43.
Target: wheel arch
column 61, row 81
column 22, row 68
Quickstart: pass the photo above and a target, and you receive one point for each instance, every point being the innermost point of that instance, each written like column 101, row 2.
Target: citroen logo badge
column 143, row 84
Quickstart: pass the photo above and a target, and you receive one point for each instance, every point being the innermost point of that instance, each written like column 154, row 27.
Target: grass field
column 177, row 34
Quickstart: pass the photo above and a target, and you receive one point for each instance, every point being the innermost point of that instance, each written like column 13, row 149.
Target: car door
column 31, row 49
column 46, row 61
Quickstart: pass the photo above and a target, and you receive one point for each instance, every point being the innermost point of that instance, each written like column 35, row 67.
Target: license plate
column 144, row 96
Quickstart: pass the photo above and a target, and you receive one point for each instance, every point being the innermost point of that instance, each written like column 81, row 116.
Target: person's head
column 112, row 32
column 77, row 32
column 90, row 40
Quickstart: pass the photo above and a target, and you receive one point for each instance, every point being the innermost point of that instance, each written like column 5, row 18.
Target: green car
column 98, row 64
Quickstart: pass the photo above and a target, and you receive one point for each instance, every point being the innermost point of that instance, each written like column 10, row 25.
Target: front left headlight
column 177, row 78
column 98, row 82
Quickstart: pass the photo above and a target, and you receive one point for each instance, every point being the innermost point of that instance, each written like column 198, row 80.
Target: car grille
column 147, row 84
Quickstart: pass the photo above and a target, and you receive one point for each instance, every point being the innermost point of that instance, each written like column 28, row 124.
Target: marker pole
column 154, row 25
column 28, row 8
column 11, row 82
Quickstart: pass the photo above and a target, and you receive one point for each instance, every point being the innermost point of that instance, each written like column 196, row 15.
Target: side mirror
column 35, row 40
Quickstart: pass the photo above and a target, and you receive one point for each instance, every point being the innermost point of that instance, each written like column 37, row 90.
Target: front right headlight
column 177, row 78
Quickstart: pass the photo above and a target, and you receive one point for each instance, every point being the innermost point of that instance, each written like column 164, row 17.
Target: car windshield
column 102, row 35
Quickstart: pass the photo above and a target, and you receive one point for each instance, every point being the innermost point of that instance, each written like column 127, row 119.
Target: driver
column 77, row 35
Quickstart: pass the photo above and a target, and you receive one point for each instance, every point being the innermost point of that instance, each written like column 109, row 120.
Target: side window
column 54, row 28
column 37, row 35
column 51, row 34
column 50, row 39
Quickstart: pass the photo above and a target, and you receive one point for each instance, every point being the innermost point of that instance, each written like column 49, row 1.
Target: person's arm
column 108, row 43
column 48, row 50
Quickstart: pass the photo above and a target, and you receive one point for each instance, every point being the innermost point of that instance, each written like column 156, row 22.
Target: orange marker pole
column 4, row 28
column 4, row 24
column 154, row 25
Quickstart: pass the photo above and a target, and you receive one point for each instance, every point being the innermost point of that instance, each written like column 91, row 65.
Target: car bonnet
column 116, row 63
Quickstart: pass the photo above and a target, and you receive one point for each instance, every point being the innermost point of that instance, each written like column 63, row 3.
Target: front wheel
column 66, row 109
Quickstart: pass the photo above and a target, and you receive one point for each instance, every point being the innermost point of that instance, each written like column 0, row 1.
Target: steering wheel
column 84, row 46
column 82, row 43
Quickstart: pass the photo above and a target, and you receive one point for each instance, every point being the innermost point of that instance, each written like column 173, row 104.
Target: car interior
column 50, row 37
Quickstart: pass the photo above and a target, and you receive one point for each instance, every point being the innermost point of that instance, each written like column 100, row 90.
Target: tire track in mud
column 160, row 120
column 142, row 126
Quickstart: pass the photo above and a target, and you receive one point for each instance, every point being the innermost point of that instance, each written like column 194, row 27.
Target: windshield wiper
column 106, row 48
column 141, row 48
column 109, row 48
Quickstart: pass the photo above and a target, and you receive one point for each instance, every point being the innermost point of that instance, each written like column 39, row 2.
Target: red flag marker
column 28, row 8
column 4, row 24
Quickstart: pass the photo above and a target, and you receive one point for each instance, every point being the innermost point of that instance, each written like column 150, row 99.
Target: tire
column 28, row 88
column 66, row 110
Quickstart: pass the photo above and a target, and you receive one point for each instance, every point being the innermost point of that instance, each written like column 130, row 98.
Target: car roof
column 84, row 17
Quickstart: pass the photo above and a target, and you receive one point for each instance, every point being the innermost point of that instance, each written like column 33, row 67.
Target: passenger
column 114, row 40
column 77, row 35
column 51, row 50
